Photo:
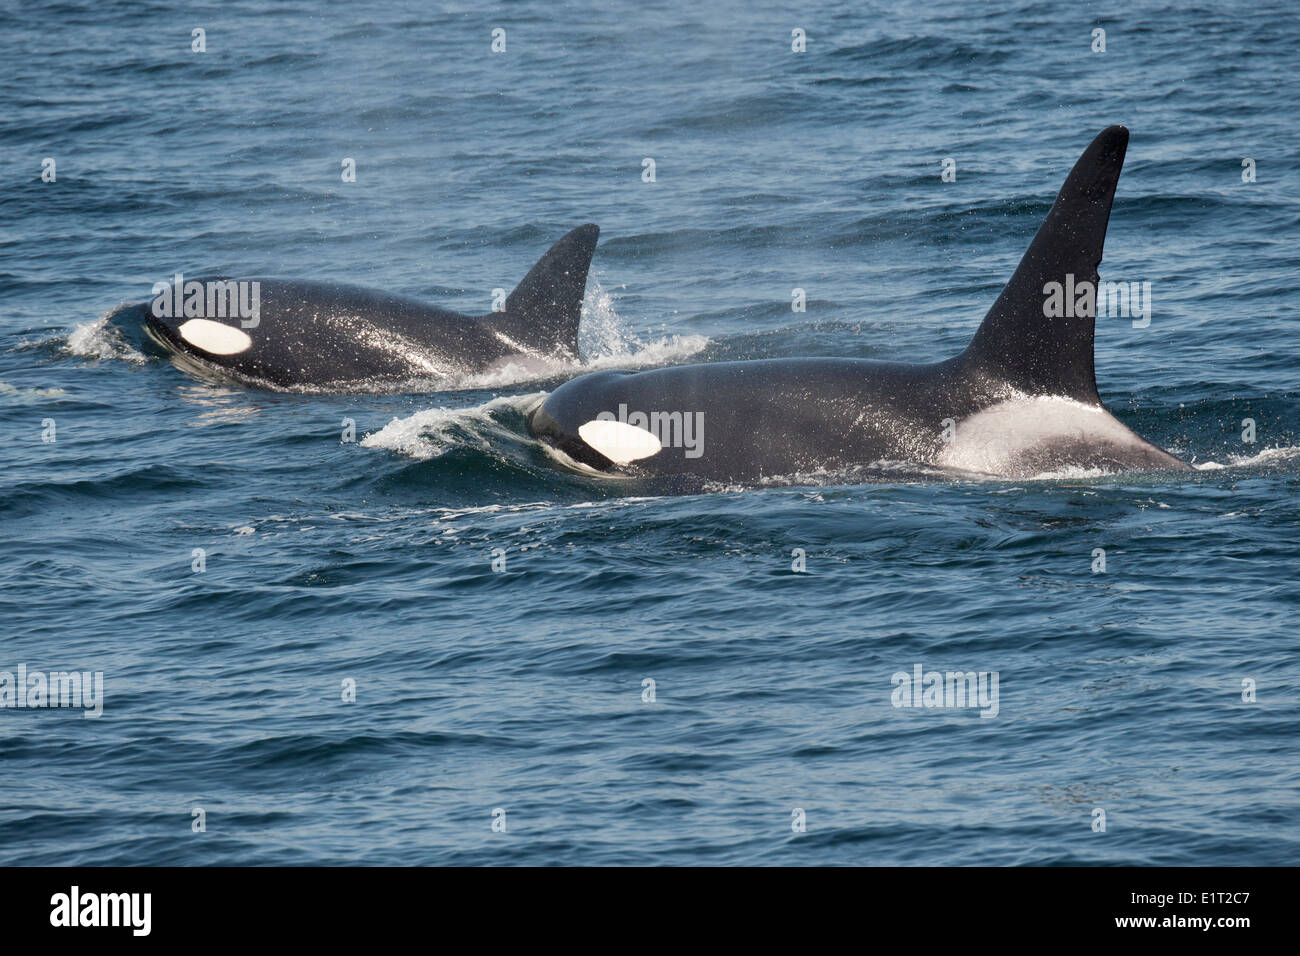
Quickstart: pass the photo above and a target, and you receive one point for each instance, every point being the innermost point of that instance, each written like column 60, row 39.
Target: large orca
column 317, row 336
column 1020, row 401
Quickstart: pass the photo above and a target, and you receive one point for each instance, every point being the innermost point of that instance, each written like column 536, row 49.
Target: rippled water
column 371, row 561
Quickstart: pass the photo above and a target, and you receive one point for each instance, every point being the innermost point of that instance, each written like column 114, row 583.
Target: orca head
column 215, row 337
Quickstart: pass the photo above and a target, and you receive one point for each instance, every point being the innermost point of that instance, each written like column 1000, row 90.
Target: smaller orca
column 1020, row 401
column 322, row 337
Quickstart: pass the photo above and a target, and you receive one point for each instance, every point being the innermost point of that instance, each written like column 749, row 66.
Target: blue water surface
column 521, row 695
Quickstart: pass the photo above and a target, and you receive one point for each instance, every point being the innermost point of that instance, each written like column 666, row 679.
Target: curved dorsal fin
column 542, row 314
column 1017, row 341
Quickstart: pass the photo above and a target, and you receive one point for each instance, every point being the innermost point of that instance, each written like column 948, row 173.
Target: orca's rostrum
column 1020, row 401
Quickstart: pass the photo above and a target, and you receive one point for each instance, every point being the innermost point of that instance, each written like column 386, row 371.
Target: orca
column 1020, row 401
column 323, row 337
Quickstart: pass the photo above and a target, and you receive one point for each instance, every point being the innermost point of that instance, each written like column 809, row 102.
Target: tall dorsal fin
column 542, row 314
column 1017, row 342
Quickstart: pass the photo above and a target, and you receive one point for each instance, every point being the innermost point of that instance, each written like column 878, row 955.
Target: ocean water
column 1161, row 691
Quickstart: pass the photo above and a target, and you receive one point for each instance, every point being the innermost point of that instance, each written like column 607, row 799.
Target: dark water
column 371, row 561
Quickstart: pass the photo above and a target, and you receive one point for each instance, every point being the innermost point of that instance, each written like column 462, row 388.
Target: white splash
column 607, row 344
column 1071, row 472
column 100, row 340
column 515, row 370
column 430, row 433
column 1245, row 461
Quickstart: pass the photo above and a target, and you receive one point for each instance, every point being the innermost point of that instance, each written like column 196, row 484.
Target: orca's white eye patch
column 619, row 441
column 215, row 338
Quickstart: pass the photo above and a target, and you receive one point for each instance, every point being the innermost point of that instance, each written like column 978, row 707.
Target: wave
column 27, row 396
column 1266, row 456
column 434, row 431
column 102, row 339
